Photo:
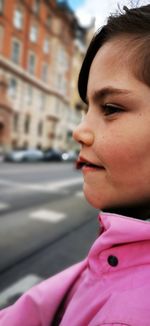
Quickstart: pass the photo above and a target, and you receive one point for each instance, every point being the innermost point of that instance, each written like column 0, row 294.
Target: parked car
column 26, row 155
column 52, row 155
column 70, row 156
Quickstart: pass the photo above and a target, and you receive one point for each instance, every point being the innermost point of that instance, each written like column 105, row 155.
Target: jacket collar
column 116, row 232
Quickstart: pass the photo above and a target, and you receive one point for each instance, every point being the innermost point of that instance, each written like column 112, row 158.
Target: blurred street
column 45, row 224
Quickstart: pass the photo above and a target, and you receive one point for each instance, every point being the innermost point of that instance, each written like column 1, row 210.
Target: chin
column 114, row 204
column 93, row 203
column 100, row 199
column 94, row 200
column 105, row 203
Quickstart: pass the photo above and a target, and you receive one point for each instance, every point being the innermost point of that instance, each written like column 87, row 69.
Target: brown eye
column 110, row 109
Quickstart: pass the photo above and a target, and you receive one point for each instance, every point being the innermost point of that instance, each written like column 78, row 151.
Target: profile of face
column 115, row 133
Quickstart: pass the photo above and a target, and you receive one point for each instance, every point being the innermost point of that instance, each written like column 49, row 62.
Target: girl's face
column 115, row 133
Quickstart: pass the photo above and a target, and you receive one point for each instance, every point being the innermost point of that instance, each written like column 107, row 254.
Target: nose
column 83, row 134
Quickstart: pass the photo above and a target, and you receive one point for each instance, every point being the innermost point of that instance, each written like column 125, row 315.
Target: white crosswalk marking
column 3, row 206
column 79, row 194
column 19, row 287
column 53, row 186
column 47, row 215
column 44, row 187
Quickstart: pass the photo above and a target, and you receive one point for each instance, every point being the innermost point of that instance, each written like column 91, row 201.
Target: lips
column 83, row 162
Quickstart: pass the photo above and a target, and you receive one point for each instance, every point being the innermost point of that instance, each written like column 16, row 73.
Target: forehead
column 112, row 66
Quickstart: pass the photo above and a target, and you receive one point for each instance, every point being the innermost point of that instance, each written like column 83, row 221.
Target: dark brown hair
column 134, row 24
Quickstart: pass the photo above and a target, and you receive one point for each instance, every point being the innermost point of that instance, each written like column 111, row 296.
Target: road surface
column 45, row 224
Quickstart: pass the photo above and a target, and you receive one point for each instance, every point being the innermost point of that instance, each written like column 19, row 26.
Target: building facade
column 37, row 48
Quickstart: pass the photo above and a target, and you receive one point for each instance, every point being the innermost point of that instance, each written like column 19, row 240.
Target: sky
column 76, row 3
column 100, row 9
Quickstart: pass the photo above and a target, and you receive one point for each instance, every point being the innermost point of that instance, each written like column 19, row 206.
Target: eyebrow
column 106, row 91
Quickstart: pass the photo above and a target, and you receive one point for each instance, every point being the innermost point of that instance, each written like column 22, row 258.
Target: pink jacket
column 111, row 287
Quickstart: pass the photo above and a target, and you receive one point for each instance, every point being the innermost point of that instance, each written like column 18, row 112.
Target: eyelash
column 110, row 109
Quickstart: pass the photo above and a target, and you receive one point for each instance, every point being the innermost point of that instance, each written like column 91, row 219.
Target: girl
column 112, row 285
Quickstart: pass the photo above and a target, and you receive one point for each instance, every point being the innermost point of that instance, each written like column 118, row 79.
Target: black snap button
column 112, row 260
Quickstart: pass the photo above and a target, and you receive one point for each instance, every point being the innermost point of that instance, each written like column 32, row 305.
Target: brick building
column 37, row 47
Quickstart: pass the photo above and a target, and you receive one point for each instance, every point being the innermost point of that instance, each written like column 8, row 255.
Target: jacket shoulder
column 39, row 305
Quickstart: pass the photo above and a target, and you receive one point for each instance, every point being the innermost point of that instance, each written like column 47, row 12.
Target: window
column 2, row 127
column 25, row 145
column 12, row 88
column 27, row 125
column 80, row 35
column 33, row 33
column 44, row 73
column 64, row 86
column 41, row 101
column 14, row 143
column 36, row 6
column 18, row 19
column 46, row 45
column 61, row 82
column 15, row 122
column 62, row 58
column 57, row 106
column 1, row 6
column 40, row 128
column 58, row 26
column 29, row 94
column 15, row 55
column 1, row 37
column 48, row 21
column 31, row 63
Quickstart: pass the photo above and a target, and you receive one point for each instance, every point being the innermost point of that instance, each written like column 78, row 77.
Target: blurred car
column 52, row 155
column 70, row 156
column 26, row 155
column 2, row 156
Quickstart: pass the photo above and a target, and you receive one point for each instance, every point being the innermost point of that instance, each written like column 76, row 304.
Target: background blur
column 43, row 214
column 45, row 222
column 42, row 45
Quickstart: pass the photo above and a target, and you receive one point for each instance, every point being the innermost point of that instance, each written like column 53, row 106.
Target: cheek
column 125, row 156
column 114, row 151
column 120, row 155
